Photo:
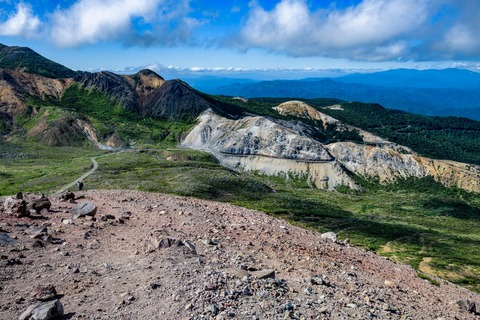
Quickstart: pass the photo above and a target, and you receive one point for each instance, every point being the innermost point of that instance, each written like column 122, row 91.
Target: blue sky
column 238, row 37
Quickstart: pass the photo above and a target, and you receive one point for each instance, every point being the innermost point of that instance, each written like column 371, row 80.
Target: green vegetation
column 178, row 171
column 110, row 117
column 35, row 168
column 26, row 59
column 413, row 221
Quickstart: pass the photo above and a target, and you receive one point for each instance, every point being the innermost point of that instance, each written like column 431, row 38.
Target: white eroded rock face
column 388, row 163
column 259, row 144
column 253, row 136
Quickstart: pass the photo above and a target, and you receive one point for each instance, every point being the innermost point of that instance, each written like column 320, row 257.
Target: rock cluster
column 24, row 205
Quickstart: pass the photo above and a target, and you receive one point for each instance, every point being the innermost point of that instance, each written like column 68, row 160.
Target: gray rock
column 467, row 305
column 37, row 203
column 332, row 236
column 238, row 272
column 37, row 232
column 263, row 274
column 190, row 246
column 288, row 306
column 49, row 310
column 213, row 309
column 83, row 209
column 246, row 291
column 5, row 239
column 156, row 241
column 308, row 291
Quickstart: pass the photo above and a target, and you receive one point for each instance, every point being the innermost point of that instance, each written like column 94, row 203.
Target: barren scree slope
column 153, row 256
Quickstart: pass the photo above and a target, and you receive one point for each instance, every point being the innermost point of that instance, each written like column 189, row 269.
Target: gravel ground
column 154, row 256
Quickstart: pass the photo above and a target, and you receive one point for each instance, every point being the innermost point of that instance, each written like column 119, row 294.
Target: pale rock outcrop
column 323, row 175
column 389, row 163
column 253, row 136
column 302, row 110
column 259, row 144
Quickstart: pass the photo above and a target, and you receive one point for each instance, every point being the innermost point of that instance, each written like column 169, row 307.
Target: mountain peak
column 25, row 59
column 148, row 73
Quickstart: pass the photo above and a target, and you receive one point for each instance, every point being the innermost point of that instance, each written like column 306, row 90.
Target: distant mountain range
column 447, row 92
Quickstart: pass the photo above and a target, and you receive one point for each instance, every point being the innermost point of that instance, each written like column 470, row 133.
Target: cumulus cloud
column 372, row 30
column 132, row 22
column 90, row 21
column 21, row 23
column 163, row 22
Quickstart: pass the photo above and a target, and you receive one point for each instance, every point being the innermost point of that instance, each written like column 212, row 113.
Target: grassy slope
column 35, row 168
column 109, row 117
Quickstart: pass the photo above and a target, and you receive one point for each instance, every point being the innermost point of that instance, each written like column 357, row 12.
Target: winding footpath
column 67, row 187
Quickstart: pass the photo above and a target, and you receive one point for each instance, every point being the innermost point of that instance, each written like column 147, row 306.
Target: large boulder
column 49, row 310
column 83, row 209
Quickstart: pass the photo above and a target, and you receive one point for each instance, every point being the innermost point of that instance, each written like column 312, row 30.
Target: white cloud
column 90, row 21
column 21, row 23
column 460, row 38
column 137, row 22
column 371, row 30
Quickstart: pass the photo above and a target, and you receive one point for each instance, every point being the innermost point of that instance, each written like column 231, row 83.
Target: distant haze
column 448, row 92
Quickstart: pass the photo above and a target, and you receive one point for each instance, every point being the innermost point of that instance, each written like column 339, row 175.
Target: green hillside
column 27, row 60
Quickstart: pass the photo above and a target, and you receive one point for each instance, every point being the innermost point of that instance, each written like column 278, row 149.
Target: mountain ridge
column 458, row 100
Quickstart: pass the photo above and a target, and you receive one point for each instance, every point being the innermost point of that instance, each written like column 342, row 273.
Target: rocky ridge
column 145, row 93
column 151, row 256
